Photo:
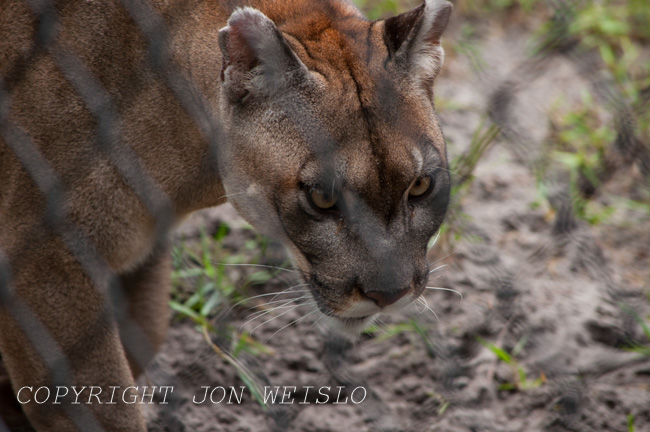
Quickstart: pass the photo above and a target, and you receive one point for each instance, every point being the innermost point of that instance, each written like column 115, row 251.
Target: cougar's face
column 340, row 156
column 355, row 195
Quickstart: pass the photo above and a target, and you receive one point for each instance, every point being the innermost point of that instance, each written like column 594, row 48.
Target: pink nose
column 383, row 299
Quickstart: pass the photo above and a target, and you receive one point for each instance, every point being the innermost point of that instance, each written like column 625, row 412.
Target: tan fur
column 104, row 148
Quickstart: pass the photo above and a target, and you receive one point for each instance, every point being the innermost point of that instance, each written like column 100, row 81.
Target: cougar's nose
column 383, row 298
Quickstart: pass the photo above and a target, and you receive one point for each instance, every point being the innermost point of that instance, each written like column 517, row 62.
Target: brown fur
column 103, row 148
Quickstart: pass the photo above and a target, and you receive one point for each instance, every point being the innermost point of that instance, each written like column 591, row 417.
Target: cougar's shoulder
column 93, row 107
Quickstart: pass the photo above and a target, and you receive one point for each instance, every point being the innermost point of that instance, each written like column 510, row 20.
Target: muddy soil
column 560, row 295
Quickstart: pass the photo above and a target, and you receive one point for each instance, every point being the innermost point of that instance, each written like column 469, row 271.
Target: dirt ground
column 558, row 294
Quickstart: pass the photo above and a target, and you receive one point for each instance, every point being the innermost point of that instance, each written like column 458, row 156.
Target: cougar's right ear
column 256, row 57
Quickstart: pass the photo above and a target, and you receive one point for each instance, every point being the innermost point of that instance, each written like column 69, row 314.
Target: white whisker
column 380, row 325
column 296, row 291
column 444, row 257
column 446, row 289
column 284, row 291
column 290, row 323
column 257, row 265
column 322, row 315
column 274, row 318
column 296, row 299
column 435, row 240
column 438, row 268
column 252, row 317
column 258, row 314
column 424, row 303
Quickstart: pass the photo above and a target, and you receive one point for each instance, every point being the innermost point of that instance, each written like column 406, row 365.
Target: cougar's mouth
column 357, row 321
column 349, row 320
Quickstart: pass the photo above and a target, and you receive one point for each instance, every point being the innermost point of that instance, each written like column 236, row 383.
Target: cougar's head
column 333, row 147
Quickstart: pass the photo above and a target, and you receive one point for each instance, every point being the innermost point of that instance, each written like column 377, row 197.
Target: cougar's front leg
column 147, row 315
column 58, row 329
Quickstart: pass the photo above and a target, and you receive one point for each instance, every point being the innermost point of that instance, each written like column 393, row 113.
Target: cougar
column 120, row 118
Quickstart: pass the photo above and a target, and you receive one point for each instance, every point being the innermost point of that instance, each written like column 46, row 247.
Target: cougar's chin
column 349, row 327
column 348, row 321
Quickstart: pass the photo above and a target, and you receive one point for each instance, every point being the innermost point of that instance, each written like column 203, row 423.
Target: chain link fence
column 627, row 150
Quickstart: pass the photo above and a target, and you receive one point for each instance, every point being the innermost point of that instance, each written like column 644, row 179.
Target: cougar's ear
column 256, row 57
column 413, row 39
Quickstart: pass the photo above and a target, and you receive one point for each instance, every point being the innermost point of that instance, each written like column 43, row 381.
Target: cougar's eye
column 322, row 199
column 420, row 187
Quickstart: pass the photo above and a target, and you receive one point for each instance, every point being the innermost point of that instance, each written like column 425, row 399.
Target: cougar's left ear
column 256, row 57
column 413, row 39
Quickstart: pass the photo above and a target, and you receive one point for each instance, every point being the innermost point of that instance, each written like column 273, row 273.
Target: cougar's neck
column 194, row 62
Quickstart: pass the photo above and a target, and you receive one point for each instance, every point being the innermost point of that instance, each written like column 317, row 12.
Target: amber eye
column 324, row 200
column 420, row 187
